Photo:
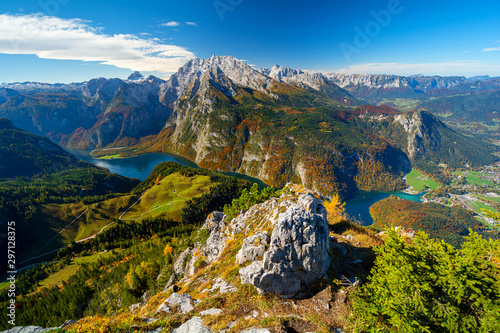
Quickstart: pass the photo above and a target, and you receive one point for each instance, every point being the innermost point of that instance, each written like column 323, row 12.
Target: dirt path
column 93, row 236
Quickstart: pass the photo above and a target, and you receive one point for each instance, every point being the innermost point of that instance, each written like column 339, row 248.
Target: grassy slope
column 52, row 218
column 64, row 274
column 174, row 189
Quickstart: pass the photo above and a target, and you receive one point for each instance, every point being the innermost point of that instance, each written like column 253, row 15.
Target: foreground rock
column 298, row 251
column 283, row 252
column 181, row 301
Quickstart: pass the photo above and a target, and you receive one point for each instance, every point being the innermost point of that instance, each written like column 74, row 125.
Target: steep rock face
column 371, row 80
column 424, row 138
column 234, row 69
column 284, row 252
column 427, row 83
column 372, row 86
column 416, row 125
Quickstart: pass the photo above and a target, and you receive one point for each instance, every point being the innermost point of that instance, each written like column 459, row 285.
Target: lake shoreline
column 358, row 207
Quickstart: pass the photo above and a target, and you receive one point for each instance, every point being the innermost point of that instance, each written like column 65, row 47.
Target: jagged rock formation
column 181, row 301
column 286, row 251
column 374, row 87
column 298, row 251
column 316, row 81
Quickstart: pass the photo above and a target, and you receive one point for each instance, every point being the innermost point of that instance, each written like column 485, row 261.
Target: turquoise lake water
column 359, row 207
column 134, row 167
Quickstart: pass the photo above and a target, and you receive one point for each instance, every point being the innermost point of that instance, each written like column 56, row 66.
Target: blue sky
column 76, row 40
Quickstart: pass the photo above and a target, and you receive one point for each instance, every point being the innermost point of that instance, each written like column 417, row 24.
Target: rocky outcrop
column 253, row 247
column 298, row 252
column 283, row 252
column 180, row 263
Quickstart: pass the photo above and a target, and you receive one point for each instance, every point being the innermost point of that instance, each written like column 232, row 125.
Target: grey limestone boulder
column 253, row 247
column 183, row 301
column 298, row 251
column 194, row 325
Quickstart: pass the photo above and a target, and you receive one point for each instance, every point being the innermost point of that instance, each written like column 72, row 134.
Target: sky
column 75, row 40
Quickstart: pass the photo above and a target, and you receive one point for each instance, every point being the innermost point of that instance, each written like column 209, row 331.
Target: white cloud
column 465, row 67
column 73, row 39
column 194, row 24
column 170, row 24
column 490, row 49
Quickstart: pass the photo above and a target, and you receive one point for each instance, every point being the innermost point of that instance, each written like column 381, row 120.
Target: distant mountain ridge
column 103, row 111
column 375, row 87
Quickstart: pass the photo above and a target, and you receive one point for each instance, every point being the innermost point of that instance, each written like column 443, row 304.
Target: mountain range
column 377, row 87
column 277, row 124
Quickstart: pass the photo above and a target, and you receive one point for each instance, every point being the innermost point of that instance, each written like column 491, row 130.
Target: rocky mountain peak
column 226, row 71
column 135, row 76
column 421, row 127
column 296, row 77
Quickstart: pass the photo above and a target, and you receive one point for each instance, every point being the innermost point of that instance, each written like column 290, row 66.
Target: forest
column 450, row 224
column 140, row 260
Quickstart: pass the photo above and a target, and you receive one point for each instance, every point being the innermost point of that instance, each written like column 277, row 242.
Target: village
column 475, row 190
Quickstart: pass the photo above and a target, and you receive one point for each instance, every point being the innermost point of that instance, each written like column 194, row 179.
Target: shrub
column 429, row 286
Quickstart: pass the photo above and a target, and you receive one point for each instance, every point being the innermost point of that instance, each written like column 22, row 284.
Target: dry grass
column 326, row 304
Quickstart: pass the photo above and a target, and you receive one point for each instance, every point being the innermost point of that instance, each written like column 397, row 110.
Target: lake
column 134, row 167
column 359, row 207
column 141, row 166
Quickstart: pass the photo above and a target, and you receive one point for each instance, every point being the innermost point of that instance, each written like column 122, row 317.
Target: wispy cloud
column 491, row 49
column 170, row 24
column 194, row 24
column 74, row 39
column 465, row 67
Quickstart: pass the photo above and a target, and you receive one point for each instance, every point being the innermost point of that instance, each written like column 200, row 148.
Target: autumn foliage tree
column 334, row 208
